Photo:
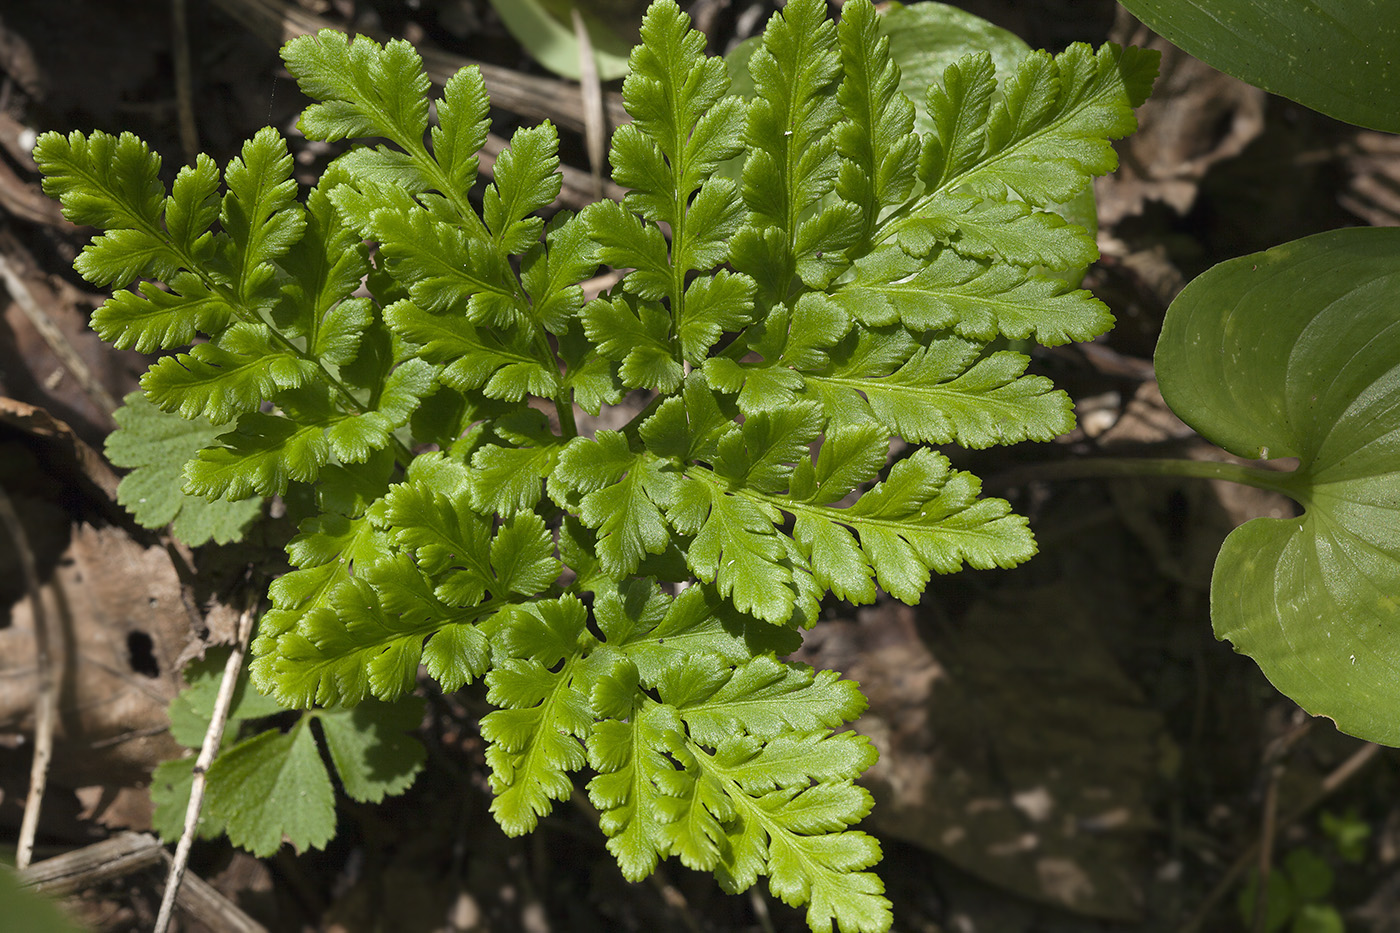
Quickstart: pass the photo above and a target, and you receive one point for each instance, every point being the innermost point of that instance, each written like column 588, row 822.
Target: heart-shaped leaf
column 1338, row 57
column 1295, row 352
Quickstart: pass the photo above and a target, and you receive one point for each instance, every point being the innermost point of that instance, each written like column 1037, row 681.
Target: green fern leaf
column 507, row 478
column 160, row 320
column 943, row 392
column 876, row 141
column 222, row 380
column 262, row 455
column 978, row 300
column 623, row 495
column 527, row 180
column 365, row 89
column 536, row 734
column 260, row 216
column 630, row 754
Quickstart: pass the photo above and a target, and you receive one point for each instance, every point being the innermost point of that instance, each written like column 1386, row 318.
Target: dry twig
column 125, row 854
column 594, row 130
column 184, row 83
column 1339, row 776
column 14, row 283
column 47, row 700
column 212, row 737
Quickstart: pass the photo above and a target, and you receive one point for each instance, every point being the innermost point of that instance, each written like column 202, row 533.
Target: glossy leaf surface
column 1295, row 352
column 1341, row 57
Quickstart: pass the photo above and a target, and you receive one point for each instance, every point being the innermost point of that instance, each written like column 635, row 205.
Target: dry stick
column 594, row 130
column 48, row 697
column 1339, row 776
column 1266, row 849
column 54, row 338
column 212, row 737
column 276, row 21
column 184, row 83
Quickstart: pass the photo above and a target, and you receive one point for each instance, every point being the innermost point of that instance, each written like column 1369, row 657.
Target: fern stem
column 564, row 405
column 632, row 426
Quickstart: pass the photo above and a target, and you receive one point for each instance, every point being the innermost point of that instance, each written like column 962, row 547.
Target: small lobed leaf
column 527, row 180
column 374, row 757
column 364, row 89
column 262, row 455
column 221, row 380
column 270, row 788
column 158, row 445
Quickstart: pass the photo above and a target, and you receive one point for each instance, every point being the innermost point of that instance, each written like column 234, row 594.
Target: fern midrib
column 831, row 514
column 982, row 398
column 987, row 164
column 754, row 813
column 191, row 264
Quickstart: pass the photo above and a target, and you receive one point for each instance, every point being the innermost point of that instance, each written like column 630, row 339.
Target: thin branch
column 594, row 130
column 59, row 344
column 47, row 700
column 184, row 83
column 1266, row 849
column 1330, row 784
column 212, row 738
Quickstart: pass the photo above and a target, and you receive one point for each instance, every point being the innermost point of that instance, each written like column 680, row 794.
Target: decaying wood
column 126, row 854
column 27, row 298
column 539, row 98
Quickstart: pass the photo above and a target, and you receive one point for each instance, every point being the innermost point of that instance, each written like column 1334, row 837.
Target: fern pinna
column 412, row 358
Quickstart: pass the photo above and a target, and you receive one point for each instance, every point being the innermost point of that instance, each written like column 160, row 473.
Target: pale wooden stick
column 47, row 699
column 62, row 349
column 594, row 132
column 125, row 854
column 212, row 737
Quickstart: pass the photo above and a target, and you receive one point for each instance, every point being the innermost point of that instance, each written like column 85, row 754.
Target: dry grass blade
column 539, row 98
column 47, row 701
column 212, row 738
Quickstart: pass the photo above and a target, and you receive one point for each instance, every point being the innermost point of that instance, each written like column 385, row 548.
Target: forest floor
column 1065, row 747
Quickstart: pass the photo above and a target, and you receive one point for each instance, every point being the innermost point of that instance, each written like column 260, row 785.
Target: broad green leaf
column 1293, row 353
column 158, row 445
column 1337, row 57
column 546, row 30
column 27, row 909
column 925, row 38
column 373, row 755
column 270, row 787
